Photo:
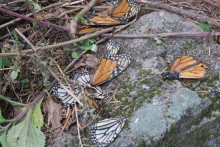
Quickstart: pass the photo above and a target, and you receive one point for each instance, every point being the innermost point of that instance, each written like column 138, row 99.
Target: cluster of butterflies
column 111, row 65
column 120, row 12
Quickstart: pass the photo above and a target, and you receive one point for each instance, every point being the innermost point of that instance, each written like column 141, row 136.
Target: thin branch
column 77, row 120
column 30, row 14
column 64, row 87
column 45, row 23
column 71, row 41
column 200, row 18
column 166, row 35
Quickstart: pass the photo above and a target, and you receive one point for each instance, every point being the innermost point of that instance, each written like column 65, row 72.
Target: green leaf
column 205, row 27
column 6, row 61
column 3, row 139
column 86, row 47
column 80, row 17
column 2, row 120
column 74, row 55
column 75, row 44
column 14, row 74
column 94, row 48
column 67, row 49
column 158, row 40
column 35, row 5
column 25, row 134
column 37, row 117
column 24, row 81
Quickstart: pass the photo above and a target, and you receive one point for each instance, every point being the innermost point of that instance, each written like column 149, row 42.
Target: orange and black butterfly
column 111, row 65
column 187, row 67
column 120, row 14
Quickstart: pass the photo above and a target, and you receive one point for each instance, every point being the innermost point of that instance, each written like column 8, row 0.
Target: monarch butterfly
column 105, row 131
column 186, row 67
column 67, row 99
column 84, row 80
column 125, row 9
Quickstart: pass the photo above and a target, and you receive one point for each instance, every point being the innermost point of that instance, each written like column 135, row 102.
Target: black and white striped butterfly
column 67, row 99
column 105, row 131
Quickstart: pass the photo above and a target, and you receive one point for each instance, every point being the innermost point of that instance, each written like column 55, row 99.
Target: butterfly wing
column 106, row 130
column 67, row 99
column 83, row 78
column 109, row 67
column 112, row 48
column 88, row 30
column 104, row 19
column 125, row 9
column 183, row 62
column 194, row 72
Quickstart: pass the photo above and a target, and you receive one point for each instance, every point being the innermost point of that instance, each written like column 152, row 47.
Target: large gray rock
column 154, row 106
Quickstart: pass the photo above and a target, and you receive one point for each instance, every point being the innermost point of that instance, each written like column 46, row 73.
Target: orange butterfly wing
column 195, row 72
column 104, row 19
column 125, row 9
column 87, row 30
column 182, row 62
column 104, row 71
column 121, row 9
column 109, row 67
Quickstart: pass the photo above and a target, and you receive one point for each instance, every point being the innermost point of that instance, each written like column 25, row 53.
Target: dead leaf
column 88, row 61
column 54, row 113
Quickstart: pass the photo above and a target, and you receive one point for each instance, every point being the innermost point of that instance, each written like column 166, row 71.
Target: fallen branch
column 166, row 35
column 70, row 41
column 30, row 14
column 45, row 23
column 200, row 18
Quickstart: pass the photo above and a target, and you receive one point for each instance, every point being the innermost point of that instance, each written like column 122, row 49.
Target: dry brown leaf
column 54, row 113
column 88, row 61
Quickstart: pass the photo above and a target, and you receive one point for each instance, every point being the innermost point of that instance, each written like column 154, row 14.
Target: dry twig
column 200, row 18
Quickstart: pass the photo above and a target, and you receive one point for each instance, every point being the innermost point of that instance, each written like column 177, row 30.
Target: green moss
column 172, row 143
column 142, row 144
column 173, row 129
column 205, row 136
